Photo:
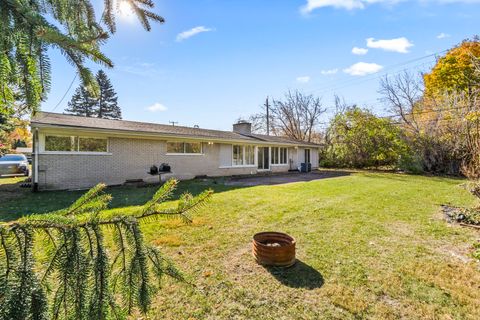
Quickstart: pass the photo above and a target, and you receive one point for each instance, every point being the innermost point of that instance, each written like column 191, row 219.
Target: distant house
column 72, row 152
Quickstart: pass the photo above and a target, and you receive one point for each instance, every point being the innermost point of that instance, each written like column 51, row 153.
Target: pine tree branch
column 83, row 269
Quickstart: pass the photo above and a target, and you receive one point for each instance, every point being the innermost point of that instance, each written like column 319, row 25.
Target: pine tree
column 107, row 106
column 82, row 103
column 77, row 29
column 84, row 263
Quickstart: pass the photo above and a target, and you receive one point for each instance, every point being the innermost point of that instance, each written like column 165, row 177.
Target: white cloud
column 396, row 45
column 192, row 32
column 362, row 69
column 339, row 4
column 303, row 79
column 156, row 107
column 329, row 72
column 359, row 51
column 311, row 5
column 443, row 36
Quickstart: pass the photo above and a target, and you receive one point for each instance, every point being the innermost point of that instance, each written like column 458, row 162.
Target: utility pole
column 173, row 123
column 267, row 107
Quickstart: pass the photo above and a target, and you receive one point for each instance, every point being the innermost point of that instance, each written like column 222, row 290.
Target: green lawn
column 370, row 245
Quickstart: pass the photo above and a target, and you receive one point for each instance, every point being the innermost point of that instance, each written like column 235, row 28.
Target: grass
column 370, row 245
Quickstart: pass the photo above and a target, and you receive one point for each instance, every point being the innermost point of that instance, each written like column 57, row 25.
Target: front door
column 263, row 158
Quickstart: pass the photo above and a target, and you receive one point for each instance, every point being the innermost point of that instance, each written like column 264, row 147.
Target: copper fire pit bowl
column 274, row 249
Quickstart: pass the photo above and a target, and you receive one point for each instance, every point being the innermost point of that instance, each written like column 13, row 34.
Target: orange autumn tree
column 20, row 135
column 440, row 111
column 455, row 72
column 451, row 105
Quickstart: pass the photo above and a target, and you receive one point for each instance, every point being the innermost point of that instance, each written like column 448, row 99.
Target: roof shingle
column 66, row 120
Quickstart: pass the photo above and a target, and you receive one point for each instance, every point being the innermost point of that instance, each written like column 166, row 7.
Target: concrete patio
column 283, row 178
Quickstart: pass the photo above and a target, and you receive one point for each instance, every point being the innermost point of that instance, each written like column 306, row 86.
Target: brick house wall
column 129, row 159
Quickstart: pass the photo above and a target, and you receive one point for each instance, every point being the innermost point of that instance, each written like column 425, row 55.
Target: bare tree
column 403, row 94
column 443, row 128
column 296, row 116
column 340, row 104
column 259, row 123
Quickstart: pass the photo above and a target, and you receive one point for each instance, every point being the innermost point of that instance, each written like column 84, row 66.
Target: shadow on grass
column 300, row 275
column 17, row 202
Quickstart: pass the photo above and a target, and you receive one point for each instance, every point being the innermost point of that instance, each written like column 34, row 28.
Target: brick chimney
column 242, row 127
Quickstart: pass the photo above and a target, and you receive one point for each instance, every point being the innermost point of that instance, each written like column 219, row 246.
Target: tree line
column 434, row 122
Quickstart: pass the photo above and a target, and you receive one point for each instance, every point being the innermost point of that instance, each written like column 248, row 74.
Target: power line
column 430, row 111
column 377, row 75
column 63, row 97
column 66, row 92
column 349, row 83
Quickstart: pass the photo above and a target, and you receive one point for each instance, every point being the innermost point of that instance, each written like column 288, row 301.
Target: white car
column 14, row 164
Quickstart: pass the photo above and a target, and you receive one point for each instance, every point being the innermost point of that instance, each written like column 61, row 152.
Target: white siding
column 314, row 157
column 292, row 158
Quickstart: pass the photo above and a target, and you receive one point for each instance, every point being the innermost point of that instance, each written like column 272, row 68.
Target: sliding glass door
column 263, row 158
column 307, row 155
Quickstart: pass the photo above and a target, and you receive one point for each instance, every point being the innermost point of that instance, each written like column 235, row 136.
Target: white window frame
column 184, row 148
column 242, row 150
column 254, row 152
column 278, row 156
column 42, row 138
column 244, row 160
column 274, row 152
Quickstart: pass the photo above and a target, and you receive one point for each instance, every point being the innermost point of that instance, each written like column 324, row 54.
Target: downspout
column 35, row 164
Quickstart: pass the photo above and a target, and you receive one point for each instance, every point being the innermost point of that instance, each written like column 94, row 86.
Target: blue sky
column 214, row 61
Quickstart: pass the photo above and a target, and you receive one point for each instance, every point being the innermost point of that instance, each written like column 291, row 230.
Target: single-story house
column 72, row 152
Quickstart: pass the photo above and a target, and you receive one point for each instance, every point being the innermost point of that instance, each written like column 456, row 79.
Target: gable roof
column 59, row 120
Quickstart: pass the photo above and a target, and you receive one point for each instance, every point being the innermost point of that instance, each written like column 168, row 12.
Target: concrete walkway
column 282, row 178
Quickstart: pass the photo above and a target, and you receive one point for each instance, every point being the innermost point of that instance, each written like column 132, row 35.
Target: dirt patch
column 400, row 228
column 240, row 264
column 461, row 254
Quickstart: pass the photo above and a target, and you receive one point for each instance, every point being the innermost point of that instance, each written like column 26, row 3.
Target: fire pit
column 274, row 249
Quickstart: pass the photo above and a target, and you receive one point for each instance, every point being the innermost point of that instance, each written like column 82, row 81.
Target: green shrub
column 357, row 138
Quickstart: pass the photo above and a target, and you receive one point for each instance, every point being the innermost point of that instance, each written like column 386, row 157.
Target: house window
column 283, row 155
column 243, row 155
column 92, row 145
column 279, row 155
column 61, row 143
column 195, row 147
column 75, row 144
column 184, row 147
column 237, row 155
column 175, row 147
column 249, row 155
column 274, row 155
